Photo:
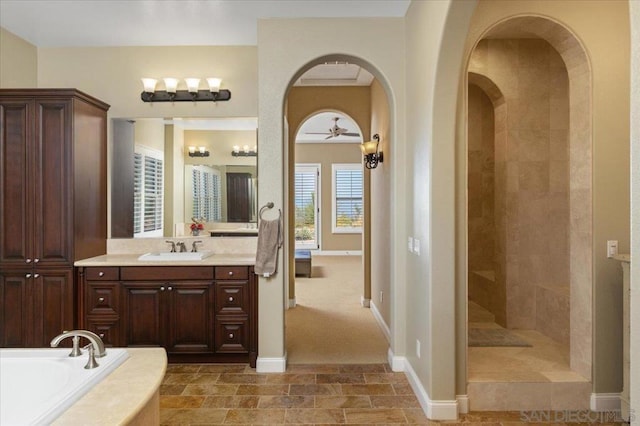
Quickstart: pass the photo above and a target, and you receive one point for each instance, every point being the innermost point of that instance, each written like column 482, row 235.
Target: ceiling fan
column 335, row 131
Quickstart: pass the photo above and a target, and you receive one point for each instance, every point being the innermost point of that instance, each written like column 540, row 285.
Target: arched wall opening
column 374, row 119
column 542, row 264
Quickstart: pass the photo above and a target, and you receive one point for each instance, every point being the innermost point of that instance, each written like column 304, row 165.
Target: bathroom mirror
column 166, row 171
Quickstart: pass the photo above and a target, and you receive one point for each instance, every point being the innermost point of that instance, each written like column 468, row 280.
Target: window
column 207, row 202
column 347, row 185
column 148, row 175
column 306, row 202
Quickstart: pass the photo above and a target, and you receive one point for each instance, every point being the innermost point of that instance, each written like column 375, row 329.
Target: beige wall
column 634, row 8
column 380, row 216
column 220, row 143
column 599, row 25
column 18, row 62
column 286, row 47
column 305, row 101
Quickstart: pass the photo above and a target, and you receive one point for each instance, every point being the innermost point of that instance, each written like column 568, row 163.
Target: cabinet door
column 232, row 335
column 190, row 316
column 16, row 186
column 142, row 314
column 53, row 304
column 15, row 309
column 53, row 169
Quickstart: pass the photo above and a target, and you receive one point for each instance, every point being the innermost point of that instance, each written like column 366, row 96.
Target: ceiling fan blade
column 313, row 133
column 350, row 134
column 329, row 137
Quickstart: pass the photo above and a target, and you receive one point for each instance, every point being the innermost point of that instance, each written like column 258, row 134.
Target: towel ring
column 268, row 206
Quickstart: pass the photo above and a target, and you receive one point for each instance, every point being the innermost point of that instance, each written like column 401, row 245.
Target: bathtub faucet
column 95, row 346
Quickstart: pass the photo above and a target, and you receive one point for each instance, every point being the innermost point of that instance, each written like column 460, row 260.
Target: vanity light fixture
column 372, row 156
column 192, row 94
column 198, row 152
column 245, row 152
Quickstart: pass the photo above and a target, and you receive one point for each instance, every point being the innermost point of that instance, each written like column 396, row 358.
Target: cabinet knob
column 230, row 273
column 230, row 299
column 161, row 288
column 230, row 335
column 169, row 288
column 101, row 335
column 36, row 260
column 36, row 275
column 28, row 276
column 101, row 299
column 27, row 261
column 101, row 274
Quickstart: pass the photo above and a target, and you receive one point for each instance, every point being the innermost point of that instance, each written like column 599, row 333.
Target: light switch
column 612, row 248
column 416, row 246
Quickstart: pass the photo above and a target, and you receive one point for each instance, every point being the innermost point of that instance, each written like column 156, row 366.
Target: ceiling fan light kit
column 192, row 94
column 335, row 131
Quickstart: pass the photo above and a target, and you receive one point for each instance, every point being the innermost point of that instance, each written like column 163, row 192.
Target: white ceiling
column 72, row 23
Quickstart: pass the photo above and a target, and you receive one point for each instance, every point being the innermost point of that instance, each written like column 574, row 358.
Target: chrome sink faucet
column 194, row 246
column 173, row 245
column 183, row 248
column 95, row 346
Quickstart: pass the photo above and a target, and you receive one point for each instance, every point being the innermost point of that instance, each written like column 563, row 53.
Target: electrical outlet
column 416, row 246
column 410, row 244
column 418, row 348
column 381, row 296
column 612, row 248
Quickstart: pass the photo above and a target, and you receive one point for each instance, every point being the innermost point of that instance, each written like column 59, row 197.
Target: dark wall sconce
column 246, row 152
column 372, row 156
column 200, row 152
column 192, row 94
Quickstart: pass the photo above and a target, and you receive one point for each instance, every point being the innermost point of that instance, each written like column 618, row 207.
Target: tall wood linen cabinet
column 53, row 206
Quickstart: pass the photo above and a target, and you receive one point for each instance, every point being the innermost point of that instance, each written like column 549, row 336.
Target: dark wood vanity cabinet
column 53, row 207
column 198, row 314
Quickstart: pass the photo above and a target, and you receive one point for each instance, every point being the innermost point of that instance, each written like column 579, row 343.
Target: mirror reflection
column 166, row 172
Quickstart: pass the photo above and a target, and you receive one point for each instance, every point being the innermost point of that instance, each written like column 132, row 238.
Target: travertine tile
column 255, row 416
column 226, row 378
column 315, row 416
column 404, row 401
column 363, row 368
column 340, row 378
column 210, row 390
column 225, row 368
column 385, row 378
column 177, row 401
column 375, row 415
column 287, row 401
column 372, row 389
column 402, row 389
column 302, row 378
column 323, row 389
column 313, row 368
column 342, row 402
column 231, row 402
column 172, row 389
column 192, row 416
column 182, row 368
column 262, row 390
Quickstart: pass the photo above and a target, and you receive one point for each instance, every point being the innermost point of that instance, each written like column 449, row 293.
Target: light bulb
column 149, row 84
column 193, row 84
column 171, row 84
column 214, row 84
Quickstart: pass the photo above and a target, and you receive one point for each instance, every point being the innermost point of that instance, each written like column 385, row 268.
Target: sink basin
column 167, row 256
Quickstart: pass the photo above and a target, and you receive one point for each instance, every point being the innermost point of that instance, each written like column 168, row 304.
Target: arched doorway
column 371, row 116
column 529, row 88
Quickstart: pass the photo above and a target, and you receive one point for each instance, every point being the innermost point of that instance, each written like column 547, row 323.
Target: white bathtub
column 37, row 385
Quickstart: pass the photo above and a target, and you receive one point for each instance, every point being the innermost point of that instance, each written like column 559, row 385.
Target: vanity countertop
column 228, row 259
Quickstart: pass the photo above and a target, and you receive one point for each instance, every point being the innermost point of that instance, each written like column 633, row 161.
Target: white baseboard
column 292, row 303
column 463, row 403
column 336, row 253
column 383, row 325
column 605, row 402
column 271, row 365
column 396, row 362
column 366, row 303
column 434, row 410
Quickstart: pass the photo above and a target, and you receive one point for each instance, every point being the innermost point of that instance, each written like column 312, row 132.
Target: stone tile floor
column 234, row 394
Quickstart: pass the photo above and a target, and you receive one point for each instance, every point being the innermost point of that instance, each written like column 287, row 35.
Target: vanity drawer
column 231, row 336
column 110, row 273
column 166, row 273
column 102, row 298
column 232, row 272
column 232, row 298
column 106, row 329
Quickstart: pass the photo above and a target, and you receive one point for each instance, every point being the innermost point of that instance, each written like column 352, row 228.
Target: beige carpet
column 329, row 325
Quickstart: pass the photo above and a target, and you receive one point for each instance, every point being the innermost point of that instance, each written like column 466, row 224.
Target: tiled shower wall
column 531, row 181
